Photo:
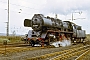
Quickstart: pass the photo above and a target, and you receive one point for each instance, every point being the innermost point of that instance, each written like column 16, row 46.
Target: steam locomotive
column 47, row 30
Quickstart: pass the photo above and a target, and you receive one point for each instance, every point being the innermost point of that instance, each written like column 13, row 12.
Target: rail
column 62, row 55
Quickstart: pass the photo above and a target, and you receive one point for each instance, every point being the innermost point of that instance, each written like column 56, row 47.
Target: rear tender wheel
column 84, row 42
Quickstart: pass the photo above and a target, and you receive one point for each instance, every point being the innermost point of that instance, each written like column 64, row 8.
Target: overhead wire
column 15, row 12
column 20, row 9
column 20, row 5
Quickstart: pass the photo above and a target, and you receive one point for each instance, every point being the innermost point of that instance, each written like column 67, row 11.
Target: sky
column 25, row 9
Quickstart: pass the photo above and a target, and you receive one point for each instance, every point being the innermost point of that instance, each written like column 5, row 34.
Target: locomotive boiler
column 39, row 21
column 47, row 30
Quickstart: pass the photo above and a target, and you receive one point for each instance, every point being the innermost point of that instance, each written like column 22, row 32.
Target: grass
column 1, row 40
column 10, row 39
column 88, row 37
column 17, row 39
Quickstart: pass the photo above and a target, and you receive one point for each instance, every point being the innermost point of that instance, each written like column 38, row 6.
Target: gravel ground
column 28, row 54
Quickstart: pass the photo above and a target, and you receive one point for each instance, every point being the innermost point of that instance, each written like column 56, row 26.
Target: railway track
column 23, row 53
column 17, row 49
column 71, row 53
column 82, row 55
column 13, row 45
column 62, row 55
column 14, row 48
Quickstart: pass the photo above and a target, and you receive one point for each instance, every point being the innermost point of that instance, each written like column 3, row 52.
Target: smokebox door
column 27, row 23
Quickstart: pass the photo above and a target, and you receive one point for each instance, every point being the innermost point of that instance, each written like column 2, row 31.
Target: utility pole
column 56, row 16
column 72, row 17
column 8, row 21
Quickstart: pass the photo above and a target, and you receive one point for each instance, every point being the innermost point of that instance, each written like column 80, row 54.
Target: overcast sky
column 63, row 8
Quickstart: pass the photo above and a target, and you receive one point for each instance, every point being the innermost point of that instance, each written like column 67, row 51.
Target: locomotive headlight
column 35, row 25
column 74, row 41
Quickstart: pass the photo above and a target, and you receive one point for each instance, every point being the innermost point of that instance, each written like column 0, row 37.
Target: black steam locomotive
column 47, row 30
